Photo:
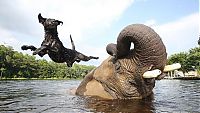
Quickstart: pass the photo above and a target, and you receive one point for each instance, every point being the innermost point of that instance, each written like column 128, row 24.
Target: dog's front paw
column 24, row 47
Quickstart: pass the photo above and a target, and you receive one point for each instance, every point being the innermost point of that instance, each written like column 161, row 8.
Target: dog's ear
column 40, row 18
column 59, row 22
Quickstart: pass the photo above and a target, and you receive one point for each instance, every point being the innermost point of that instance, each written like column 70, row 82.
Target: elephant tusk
column 152, row 73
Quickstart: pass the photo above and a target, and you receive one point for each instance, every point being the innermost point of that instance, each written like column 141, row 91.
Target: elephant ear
column 41, row 19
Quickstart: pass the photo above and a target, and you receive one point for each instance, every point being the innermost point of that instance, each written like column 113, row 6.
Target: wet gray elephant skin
column 120, row 75
column 52, row 45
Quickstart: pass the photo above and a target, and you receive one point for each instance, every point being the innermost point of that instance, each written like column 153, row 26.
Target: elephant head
column 120, row 76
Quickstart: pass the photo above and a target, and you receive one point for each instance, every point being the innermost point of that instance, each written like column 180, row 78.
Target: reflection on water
column 114, row 106
column 53, row 96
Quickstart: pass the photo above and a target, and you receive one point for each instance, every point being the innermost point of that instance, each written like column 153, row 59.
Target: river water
column 53, row 96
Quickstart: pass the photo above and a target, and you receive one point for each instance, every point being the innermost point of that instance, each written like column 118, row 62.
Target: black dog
column 52, row 45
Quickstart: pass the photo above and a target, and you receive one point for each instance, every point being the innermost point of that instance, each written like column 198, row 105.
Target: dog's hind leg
column 83, row 57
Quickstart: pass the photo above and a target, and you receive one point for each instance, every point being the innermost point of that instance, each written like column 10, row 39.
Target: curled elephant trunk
column 148, row 46
column 149, row 53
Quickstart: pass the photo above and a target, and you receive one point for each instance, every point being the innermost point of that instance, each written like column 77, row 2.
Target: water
column 47, row 96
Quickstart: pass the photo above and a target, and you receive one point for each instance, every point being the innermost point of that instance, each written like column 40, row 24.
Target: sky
column 95, row 23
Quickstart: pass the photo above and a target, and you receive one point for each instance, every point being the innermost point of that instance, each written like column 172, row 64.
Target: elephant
column 121, row 75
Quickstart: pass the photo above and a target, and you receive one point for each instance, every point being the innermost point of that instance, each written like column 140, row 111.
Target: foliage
column 189, row 61
column 14, row 64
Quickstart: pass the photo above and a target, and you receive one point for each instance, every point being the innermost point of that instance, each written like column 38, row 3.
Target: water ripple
column 44, row 96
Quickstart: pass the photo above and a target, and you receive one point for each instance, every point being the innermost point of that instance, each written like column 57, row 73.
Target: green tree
column 194, row 58
column 14, row 64
column 179, row 58
column 189, row 61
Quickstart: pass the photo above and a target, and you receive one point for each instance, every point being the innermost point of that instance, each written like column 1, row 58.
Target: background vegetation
column 189, row 61
column 14, row 64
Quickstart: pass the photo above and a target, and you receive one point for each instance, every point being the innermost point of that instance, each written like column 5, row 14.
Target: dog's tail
column 72, row 42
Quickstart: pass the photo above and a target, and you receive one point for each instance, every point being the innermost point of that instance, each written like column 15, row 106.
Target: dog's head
column 49, row 23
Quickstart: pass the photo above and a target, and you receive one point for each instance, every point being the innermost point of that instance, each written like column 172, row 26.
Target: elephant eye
column 132, row 82
column 117, row 66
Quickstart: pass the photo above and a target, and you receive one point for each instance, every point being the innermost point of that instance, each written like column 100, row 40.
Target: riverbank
column 188, row 78
column 184, row 78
